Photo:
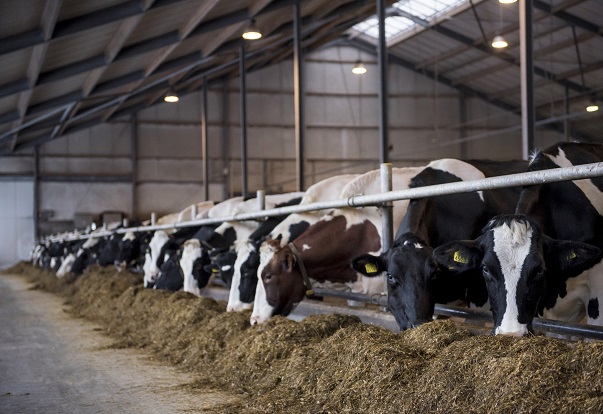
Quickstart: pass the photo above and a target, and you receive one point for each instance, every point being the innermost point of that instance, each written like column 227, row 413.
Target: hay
column 334, row 363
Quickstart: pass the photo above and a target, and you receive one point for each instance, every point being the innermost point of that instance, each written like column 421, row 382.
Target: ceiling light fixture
column 252, row 32
column 592, row 106
column 499, row 42
column 171, row 97
column 507, row 1
column 359, row 68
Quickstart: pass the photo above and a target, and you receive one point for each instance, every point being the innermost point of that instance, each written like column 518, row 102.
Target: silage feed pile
column 334, row 363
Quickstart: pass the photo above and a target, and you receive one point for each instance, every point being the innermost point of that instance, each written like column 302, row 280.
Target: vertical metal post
column 463, row 120
column 225, row 140
column 527, row 77
column 382, row 65
column 298, row 91
column 193, row 212
column 261, row 196
column 566, row 125
column 36, row 193
column 134, row 164
column 243, row 104
column 153, row 219
column 204, row 130
column 387, row 213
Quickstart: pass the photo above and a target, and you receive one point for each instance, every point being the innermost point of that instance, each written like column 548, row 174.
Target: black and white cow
column 153, row 256
column 131, row 250
column 246, row 271
column 546, row 259
column 227, row 231
column 415, row 281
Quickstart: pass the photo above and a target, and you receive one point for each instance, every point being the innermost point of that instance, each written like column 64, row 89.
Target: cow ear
column 570, row 258
column 289, row 262
column 458, row 256
column 369, row 265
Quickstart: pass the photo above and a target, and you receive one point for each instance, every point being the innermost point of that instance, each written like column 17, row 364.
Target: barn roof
column 71, row 64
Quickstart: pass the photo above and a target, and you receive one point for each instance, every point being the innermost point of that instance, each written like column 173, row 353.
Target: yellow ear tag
column 572, row 255
column 213, row 270
column 458, row 258
column 370, row 268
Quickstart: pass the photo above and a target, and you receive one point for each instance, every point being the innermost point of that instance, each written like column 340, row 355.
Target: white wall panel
column 16, row 221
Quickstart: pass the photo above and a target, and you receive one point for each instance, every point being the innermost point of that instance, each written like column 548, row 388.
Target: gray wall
column 95, row 170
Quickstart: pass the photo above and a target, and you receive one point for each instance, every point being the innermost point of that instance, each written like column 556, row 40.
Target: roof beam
column 567, row 17
column 50, row 15
column 194, row 21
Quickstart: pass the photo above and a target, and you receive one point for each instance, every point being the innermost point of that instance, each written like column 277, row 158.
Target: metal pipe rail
column 512, row 180
column 540, row 324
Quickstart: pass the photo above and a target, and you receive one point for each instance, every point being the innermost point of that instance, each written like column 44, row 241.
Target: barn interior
column 85, row 131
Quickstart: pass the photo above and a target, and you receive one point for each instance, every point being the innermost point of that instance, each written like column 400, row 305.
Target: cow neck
column 302, row 269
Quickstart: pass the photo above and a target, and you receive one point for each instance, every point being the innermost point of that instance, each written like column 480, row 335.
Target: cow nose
column 120, row 266
column 230, row 309
column 254, row 320
column 518, row 333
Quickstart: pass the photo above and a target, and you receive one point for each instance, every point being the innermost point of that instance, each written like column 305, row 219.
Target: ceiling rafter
column 197, row 17
column 50, row 15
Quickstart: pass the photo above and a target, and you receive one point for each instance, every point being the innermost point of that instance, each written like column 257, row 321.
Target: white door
column 16, row 221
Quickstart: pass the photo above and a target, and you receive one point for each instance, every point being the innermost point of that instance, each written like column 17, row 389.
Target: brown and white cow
column 326, row 249
column 245, row 275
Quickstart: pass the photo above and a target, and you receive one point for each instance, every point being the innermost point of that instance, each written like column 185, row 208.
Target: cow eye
column 390, row 278
column 486, row 272
column 268, row 277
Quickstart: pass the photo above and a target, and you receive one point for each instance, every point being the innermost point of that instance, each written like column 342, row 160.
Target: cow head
column 411, row 273
column 171, row 276
column 282, row 286
column 194, row 263
column 522, row 267
column 244, row 278
column 129, row 250
column 154, row 257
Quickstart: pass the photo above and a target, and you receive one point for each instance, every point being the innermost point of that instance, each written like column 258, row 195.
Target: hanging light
column 499, row 42
column 592, row 107
column 359, row 68
column 507, row 1
column 252, row 32
column 171, row 97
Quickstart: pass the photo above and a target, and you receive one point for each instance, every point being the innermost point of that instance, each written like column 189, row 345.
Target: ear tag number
column 459, row 258
column 370, row 268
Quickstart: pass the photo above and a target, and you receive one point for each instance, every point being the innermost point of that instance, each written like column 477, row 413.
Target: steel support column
column 243, row 104
column 225, row 141
column 526, row 56
column 134, row 163
column 463, row 122
column 298, row 91
column 566, row 107
column 382, row 65
column 36, row 193
column 204, row 129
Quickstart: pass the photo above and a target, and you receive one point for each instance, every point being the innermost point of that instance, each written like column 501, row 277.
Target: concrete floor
column 52, row 363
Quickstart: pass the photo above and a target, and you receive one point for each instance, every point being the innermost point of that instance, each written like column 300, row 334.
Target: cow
column 324, row 251
column 131, row 249
column 154, row 256
column 238, row 229
column 244, row 279
column 415, row 282
column 546, row 258
column 245, row 271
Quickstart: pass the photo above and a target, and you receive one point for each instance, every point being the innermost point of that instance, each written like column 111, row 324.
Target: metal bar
column 540, row 324
column 243, row 109
column 387, row 212
column 204, row 131
column 298, row 92
column 528, row 115
column 512, row 180
column 382, row 66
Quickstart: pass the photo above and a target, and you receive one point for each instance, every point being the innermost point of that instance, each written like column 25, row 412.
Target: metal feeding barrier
column 384, row 200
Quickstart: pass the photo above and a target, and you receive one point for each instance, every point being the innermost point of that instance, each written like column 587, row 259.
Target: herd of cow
column 520, row 252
